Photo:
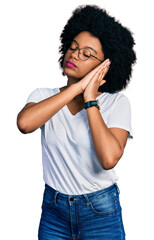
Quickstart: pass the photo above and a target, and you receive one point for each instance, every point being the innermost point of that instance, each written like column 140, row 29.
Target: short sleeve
column 34, row 96
column 120, row 116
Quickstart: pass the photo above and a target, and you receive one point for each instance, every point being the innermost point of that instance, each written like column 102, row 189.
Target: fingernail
column 108, row 63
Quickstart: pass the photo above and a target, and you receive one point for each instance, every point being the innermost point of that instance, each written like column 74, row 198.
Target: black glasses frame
column 77, row 48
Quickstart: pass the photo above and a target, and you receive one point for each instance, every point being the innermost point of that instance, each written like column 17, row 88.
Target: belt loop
column 87, row 200
column 117, row 188
column 55, row 197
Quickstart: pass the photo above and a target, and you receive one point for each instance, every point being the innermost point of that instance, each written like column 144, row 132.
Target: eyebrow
column 85, row 46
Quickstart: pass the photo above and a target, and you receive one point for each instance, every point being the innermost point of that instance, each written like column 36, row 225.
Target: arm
column 34, row 115
column 108, row 143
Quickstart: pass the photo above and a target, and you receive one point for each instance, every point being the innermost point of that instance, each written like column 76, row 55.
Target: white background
column 29, row 44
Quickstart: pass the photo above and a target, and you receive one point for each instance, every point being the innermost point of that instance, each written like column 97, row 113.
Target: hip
column 95, row 215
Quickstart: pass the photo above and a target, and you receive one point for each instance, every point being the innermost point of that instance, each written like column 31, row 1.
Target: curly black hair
column 117, row 43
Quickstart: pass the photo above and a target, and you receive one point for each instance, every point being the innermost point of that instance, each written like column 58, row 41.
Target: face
column 92, row 44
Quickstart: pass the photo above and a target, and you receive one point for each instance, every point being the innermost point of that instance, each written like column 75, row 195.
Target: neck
column 71, row 81
column 79, row 98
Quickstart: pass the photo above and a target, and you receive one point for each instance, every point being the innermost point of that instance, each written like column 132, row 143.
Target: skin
column 82, row 86
column 83, row 68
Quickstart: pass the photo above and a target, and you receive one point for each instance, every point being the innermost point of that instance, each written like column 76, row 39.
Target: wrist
column 76, row 88
column 90, row 104
column 87, row 99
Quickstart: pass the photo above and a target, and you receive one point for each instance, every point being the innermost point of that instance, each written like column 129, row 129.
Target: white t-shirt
column 70, row 164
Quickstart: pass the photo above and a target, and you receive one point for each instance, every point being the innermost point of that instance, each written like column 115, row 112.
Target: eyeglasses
column 84, row 53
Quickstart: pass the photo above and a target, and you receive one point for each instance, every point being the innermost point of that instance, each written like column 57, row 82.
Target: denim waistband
column 82, row 197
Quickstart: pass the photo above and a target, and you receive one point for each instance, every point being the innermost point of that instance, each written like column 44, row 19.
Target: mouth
column 70, row 64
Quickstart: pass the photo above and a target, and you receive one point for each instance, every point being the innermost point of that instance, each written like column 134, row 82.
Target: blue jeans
column 93, row 216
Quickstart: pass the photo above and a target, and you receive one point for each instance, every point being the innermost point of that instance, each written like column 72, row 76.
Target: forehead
column 85, row 39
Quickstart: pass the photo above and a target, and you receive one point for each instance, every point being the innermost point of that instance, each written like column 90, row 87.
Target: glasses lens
column 84, row 54
column 72, row 47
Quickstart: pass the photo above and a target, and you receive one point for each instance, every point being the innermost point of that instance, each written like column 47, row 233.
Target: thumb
column 102, row 82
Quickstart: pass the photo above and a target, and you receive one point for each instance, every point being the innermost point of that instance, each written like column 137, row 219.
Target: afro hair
column 117, row 43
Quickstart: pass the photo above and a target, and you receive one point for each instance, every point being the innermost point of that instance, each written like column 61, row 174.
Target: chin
column 70, row 73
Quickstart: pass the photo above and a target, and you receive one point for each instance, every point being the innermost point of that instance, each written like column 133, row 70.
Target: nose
column 75, row 54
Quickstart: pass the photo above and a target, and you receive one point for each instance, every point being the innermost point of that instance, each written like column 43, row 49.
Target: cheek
column 84, row 67
column 88, row 67
column 65, row 57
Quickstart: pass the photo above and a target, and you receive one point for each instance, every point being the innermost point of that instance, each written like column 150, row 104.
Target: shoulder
column 111, row 100
column 119, row 113
column 40, row 94
column 47, row 92
column 114, row 97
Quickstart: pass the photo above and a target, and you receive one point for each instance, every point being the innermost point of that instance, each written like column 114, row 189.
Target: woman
column 83, row 140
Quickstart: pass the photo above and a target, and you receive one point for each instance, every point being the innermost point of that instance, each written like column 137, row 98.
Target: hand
column 87, row 78
column 96, row 80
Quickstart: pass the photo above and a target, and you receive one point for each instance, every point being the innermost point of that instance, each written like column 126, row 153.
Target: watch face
column 92, row 104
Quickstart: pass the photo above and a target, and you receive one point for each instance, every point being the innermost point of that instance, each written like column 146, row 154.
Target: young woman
column 83, row 139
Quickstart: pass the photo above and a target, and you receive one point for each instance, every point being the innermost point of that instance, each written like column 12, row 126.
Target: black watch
column 94, row 103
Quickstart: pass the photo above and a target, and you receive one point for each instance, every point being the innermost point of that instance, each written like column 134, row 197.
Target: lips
column 71, row 64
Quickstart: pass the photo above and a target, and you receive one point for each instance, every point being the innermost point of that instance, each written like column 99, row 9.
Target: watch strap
column 92, row 104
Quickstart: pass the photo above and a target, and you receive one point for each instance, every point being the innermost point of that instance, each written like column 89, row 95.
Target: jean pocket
column 48, row 199
column 104, row 205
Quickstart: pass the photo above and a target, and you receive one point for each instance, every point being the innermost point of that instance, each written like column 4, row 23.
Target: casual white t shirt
column 70, row 164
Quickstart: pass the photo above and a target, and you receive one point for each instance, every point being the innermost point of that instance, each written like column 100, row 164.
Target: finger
column 105, row 69
column 101, row 72
column 102, row 82
column 101, row 75
column 106, row 64
column 103, row 65
column 99, row 68
column 98, row 75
